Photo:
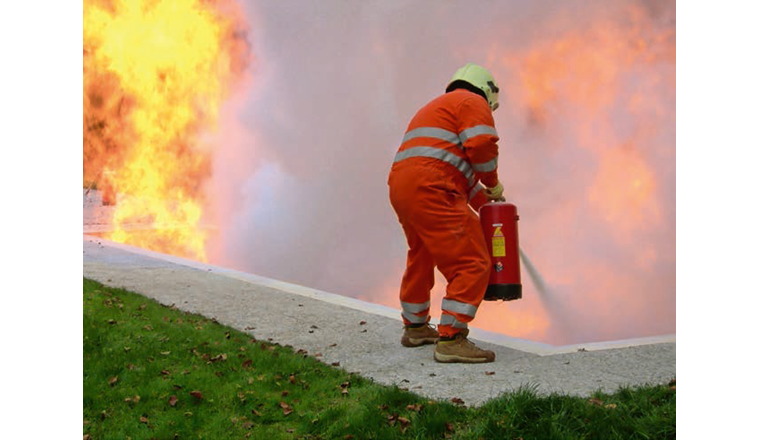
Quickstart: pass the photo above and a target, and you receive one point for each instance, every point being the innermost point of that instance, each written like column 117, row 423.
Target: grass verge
column 152, row 371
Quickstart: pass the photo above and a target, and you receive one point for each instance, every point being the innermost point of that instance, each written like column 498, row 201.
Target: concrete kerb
column 329, row 324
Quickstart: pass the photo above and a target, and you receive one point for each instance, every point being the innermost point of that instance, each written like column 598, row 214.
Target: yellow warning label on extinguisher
column 499, row 249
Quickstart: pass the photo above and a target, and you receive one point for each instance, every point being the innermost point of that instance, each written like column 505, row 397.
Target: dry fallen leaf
column 415, row 408
column 255, row 413
column 490, row 373
column 362, row 322
column 286, row 409
column 610, row 406
column 172, row 400
column 143, row 419
column 197, row 394
column 113, row 381
column 595, row 401
column 404, row 422
column 457, row 400
column 219, row 357
column 449, row 427
column 335, row 364
column 292, row 379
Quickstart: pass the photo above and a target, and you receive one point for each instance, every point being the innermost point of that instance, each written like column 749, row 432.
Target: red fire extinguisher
column 499, row 223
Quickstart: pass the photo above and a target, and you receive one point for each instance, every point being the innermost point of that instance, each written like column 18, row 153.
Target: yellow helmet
column 480, row 78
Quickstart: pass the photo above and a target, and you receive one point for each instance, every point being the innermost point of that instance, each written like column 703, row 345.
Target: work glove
column 495, row 193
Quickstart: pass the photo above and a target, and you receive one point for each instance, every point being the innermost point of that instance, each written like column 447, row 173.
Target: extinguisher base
column 503, row 292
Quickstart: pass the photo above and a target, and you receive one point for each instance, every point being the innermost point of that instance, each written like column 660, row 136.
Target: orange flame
column 572, row 85
column 155, row 75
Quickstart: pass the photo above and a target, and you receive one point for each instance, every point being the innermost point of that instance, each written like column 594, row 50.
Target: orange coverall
column 449, row 146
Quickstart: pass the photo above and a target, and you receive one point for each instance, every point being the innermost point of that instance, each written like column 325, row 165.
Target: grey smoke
column 302, row 154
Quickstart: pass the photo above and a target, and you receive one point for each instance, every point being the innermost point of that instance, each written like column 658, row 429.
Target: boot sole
column 452, row 358
column 417, row 342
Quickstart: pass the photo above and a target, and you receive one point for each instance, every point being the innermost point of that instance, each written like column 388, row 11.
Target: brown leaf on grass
column 415, row 408
column 255, row 413
column 165, row 373
column 86, row 437
column 112, row 381
column 292, row 379
column 392, row 419
column 226, row 335
column 348, row 437
column 449, row 427
column 142, row 307
column 285, row 393
column 344, row 391
column 595, row 401
column 219, row 357
column 247, row 363
column 173, row 400
column 457, row 400
column 143, row 419
column 610, row 406
column 404, row 422
column 197, row 394
column 286, row 409
column 382, row 407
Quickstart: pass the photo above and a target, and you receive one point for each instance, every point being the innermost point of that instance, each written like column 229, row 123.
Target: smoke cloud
column 587, row 151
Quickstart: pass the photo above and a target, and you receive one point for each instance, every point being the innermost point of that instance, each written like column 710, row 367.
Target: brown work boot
column 460, row 349
column 416, row 336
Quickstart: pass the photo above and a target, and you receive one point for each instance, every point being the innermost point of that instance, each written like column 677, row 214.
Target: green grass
column 152, row 371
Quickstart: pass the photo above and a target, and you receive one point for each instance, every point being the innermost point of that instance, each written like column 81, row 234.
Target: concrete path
column 364, row 337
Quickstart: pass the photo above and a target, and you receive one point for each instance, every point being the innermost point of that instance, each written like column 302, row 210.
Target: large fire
column 156, row 73
column 596, row 96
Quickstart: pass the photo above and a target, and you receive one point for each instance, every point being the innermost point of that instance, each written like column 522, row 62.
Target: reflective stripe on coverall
column 449, row 146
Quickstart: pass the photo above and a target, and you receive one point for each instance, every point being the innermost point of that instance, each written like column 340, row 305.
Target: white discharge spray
column 551, row 302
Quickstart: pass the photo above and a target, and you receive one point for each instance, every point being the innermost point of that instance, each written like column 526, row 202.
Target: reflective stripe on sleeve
column 486, row 167
column 476, row 131
column 475, row 189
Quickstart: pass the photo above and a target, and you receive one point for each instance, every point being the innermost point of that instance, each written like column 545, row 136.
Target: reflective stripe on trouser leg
column 415, row 313
column 451, row 309
column 449, row 320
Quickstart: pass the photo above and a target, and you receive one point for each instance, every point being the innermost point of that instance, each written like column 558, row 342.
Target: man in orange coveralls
column 449, row 147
